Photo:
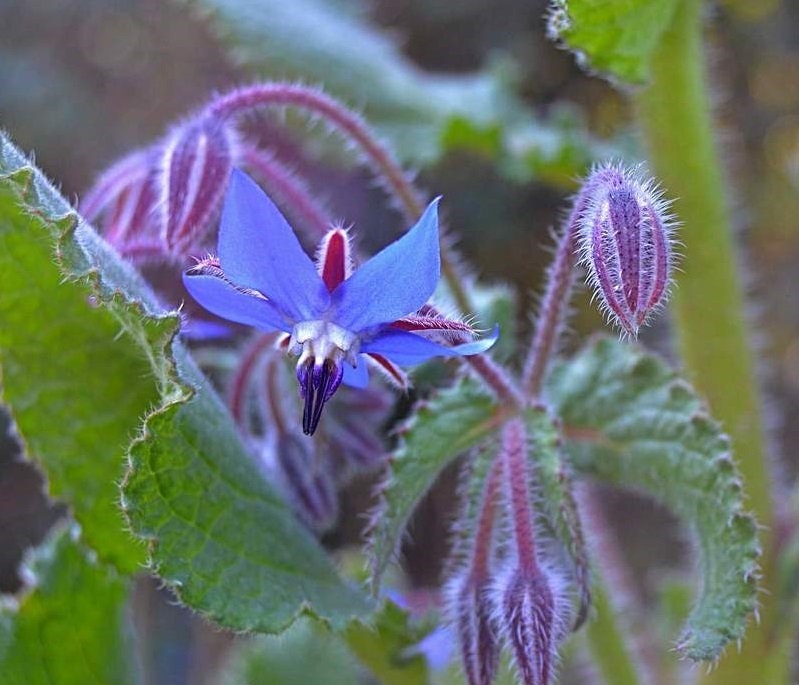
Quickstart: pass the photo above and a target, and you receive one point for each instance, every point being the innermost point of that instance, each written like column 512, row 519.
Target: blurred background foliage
column 492, row 115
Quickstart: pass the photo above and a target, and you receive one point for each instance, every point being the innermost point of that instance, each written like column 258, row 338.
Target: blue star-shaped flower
column 337, row 317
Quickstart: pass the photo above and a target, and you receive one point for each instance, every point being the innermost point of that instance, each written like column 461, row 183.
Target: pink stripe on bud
column 196, row 162
column 626, row 244
column 307, row 481
column 531, row 622
column 472, row 614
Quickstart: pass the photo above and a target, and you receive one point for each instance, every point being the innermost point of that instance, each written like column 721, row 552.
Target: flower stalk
column 712, row 330
column 354, row 129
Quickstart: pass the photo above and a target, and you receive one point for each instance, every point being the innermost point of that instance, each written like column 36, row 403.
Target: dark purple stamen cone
column 195, row 167
column 318, row 382
column 307, row 481
column 527, row 608
column 626, row 244
column 472, row 612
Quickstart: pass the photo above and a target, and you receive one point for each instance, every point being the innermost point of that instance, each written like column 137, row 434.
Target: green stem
column 675, row 114
column 608, row 642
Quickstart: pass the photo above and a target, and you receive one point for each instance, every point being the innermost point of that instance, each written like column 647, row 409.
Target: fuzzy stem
column 353, row 128
column 560, row 281
column 607, row 641
column 481, row 551
column 273, row 392
column 497, row 379
column 620, row 641
column 287, row 189
column 514, row 453
column 492, row 374
column 240, row 381
column 555, row 303
column 675, row 115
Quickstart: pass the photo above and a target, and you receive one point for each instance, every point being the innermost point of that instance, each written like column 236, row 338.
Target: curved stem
column 496, row 379
column 289, row 191
column 481, row 551
column 240, row 381
column 492, row 374
column 675, row 114
column 552, row 314
column 555, row 303
column 273, row 392
column 354, row 129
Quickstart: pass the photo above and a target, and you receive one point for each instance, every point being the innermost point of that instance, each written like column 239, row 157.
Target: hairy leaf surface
column 218, row 532
column 631, row 422
column 71, row 628
column 441, row 429
column 617, row 37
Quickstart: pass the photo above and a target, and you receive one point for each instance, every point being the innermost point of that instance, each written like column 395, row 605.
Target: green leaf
column 617, row 37
column 422, row 114
column 71, row 629
column 305, row 653
column 632, row 422
column 556, row 499
column 383, row 647
column 75, row 388
column 219, row 534
column 441, row 429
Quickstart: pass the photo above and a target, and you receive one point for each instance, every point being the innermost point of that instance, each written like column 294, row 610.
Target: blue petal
column 408, row 349
column 200, row 330
column 357, row 377
column 222, row 299
column 396, row 281
column 258, row 250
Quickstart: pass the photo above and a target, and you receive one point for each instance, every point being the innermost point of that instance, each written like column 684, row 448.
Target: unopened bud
column 532, row 623
column 471, row 613
column 196, row 163
column 626, row 244
column 123, row 200
column 354, row 429
column 307, row 482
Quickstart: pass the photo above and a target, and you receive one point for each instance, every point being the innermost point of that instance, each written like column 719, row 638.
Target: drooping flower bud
column 626, row 244
column 354, row 431
column 532, row 622
column 122, row 202
column 306, row 481
column 197, row 158
column 471, row 611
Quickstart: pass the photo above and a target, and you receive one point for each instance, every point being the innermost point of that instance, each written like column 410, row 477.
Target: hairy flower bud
column 626, row 244
column 123, row 200
column 532, row 621
column 471, row 613
column 306, row 481
column 354, row 432
column 196, row 162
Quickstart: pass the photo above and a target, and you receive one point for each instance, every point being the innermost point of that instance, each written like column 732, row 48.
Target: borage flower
column 337, row 318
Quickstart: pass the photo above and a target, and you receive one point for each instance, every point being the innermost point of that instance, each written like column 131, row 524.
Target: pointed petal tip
column 258, row 249
column 404, row 274
column 478, row 346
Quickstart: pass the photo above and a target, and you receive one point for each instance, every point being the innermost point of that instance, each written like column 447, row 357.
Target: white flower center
column 320, row 340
